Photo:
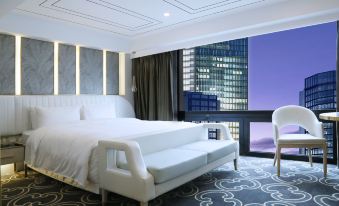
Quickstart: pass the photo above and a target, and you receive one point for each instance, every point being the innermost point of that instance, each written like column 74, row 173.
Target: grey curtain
column 155, row 81
column 337, row 78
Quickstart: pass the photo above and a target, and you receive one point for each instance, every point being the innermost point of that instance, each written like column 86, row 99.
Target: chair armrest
column 136, row 182
column 223, row 128
column 275, row 132
column 319, row 129
column 133, row 154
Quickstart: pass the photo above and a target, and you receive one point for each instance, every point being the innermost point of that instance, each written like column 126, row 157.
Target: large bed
column 67, row 151
column 96, row 143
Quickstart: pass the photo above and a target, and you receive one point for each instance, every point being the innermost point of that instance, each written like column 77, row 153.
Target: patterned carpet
column 254, row 184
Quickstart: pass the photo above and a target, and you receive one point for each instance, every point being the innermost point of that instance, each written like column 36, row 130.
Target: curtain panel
column 155, row 86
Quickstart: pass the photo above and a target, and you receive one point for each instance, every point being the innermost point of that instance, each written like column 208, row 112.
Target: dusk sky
column 278, row 64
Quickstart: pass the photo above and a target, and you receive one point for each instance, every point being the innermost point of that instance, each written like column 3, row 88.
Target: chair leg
column 235, row 161
column 275, row 157
column 143, row 203
column 278, row 160
column 325, row 159
column 310, row 156
column 25, row 168
column 103, row 197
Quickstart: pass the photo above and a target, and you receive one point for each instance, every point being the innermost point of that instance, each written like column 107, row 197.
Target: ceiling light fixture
column 167, row 14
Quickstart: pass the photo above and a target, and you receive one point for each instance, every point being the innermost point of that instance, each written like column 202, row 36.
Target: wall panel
column 112, row 73
column 91, row 74
column 37, row 67
column 67, row 81
column 7, row 64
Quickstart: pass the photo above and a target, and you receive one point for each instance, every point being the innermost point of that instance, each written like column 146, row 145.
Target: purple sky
column 262, row 140
column 278, row 64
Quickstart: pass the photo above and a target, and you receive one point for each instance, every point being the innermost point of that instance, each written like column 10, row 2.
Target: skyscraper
column 319, row 94
column 219, row 69
column 320, row 91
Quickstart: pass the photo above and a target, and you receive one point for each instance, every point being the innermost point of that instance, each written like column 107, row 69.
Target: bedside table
column 13, row 153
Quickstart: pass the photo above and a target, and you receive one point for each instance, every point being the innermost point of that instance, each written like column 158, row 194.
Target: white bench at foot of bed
column 143, row 173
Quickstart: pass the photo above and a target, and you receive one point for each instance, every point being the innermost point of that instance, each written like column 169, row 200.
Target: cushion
column 215, row 149
column 168, row 164
column 49, row 116
column 300, row 139
column 91, row 112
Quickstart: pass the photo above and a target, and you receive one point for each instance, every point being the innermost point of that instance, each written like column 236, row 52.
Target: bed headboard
column 14, row 110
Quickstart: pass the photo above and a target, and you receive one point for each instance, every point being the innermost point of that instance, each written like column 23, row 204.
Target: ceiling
column 131, row 18
column 139, row 27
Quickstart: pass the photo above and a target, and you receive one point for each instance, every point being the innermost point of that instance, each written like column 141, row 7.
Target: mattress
column 70, row 150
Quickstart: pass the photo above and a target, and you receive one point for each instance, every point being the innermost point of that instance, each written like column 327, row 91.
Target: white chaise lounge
column 154, row 164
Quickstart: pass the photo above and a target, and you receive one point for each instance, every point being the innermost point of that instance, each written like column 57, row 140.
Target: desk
column 332, row 116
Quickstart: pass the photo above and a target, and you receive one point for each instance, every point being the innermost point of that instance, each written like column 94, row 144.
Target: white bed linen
column 69, row 150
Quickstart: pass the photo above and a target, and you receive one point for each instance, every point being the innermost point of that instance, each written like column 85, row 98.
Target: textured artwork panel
column 112, row 73
column 37, row 68
column 67, row 59
column 91, row 74
column 7, row 64
column 37, row 64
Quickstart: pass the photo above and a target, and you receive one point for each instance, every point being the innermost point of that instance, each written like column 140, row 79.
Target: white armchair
column 305, row 118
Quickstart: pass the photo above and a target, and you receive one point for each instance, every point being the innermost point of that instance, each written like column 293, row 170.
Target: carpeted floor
column 254, row 184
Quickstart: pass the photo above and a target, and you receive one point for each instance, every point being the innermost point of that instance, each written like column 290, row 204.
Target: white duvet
column 68, row 150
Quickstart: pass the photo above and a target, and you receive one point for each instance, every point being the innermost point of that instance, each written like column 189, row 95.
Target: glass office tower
column 219, row 69
column 320, row 94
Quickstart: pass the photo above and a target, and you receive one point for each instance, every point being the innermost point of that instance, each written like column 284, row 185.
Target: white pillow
column 97, row 111
column 49, row 116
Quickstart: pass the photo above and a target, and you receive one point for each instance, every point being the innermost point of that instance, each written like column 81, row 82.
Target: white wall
column 278, row 16
column 7, row 5
column 271, row 18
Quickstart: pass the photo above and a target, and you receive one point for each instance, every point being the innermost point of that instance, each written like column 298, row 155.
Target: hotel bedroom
column 169, row 102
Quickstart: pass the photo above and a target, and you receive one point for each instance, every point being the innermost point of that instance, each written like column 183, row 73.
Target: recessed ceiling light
column 167, row 14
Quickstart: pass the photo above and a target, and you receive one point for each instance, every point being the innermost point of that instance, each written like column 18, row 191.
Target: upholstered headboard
column 14, row 110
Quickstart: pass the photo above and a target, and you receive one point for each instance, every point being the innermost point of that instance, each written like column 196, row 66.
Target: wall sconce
column 77, row 70
column 104, row 72
column 56, row 68
column 17, row 65
column 122, row 73
column 134, row 85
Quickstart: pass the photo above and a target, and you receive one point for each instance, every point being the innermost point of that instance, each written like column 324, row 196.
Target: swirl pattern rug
column 254, row 184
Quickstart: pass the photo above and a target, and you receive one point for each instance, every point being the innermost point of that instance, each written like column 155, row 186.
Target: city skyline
column 283, row 61
column 278, row 64
column 219, row 69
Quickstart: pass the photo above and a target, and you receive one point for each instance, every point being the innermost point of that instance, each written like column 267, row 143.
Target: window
column 263, row 73
column 293, row 67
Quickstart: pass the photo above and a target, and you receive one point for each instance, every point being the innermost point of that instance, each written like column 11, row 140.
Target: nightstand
column 13, row 153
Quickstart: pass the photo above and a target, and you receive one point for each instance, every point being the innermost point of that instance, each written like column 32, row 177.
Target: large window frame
column 246, row 117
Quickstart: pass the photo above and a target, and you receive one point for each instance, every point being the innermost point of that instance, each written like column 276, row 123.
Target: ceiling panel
column 104, row 12
column 131, row 18
column 197, row 6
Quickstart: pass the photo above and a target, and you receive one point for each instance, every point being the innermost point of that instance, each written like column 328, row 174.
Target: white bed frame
column 15, row 118
column 14, row 110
